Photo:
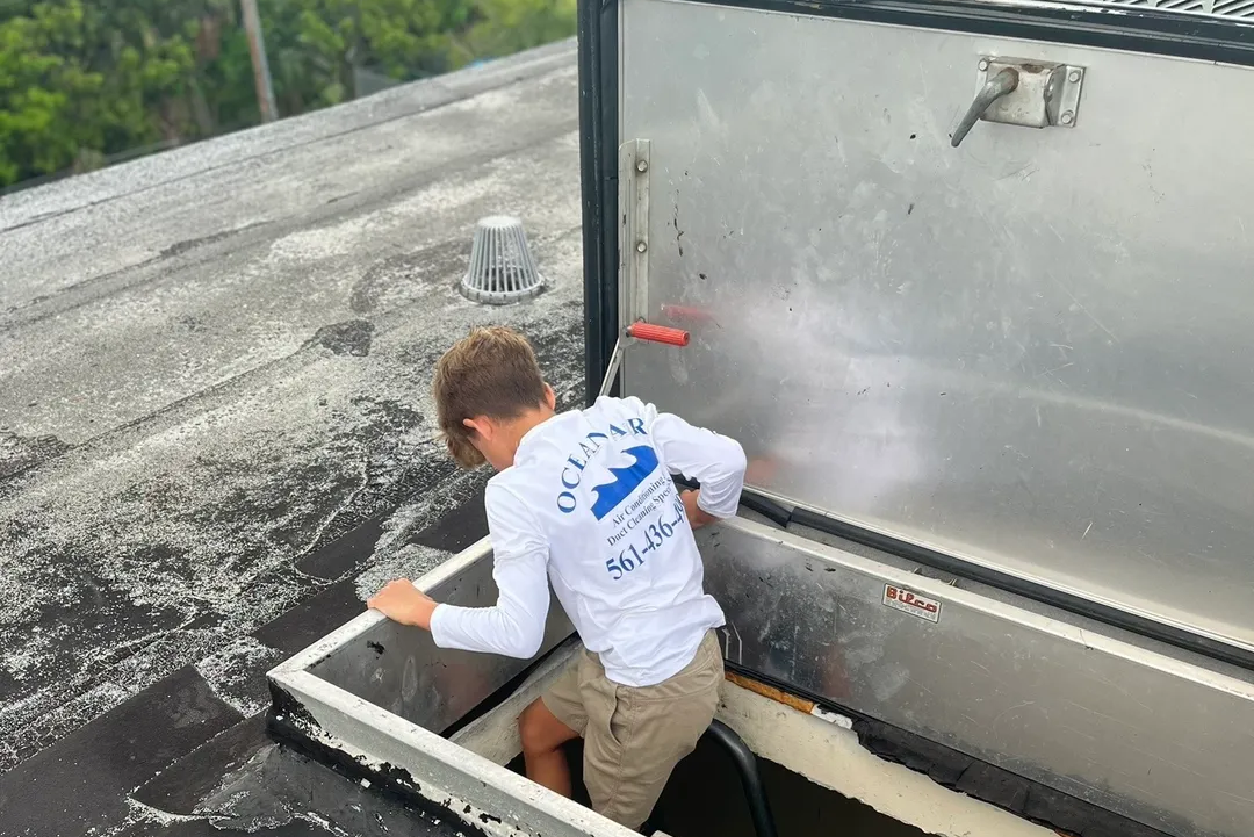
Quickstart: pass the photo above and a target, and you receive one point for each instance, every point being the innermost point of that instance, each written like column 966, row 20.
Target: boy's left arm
column 514, row 626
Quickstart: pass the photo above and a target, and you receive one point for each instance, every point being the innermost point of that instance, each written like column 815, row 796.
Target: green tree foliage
column 83, row 81
column 507, row 26
column 44, row 95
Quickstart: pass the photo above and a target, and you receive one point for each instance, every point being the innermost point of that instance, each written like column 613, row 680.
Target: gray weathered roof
column 215, row 360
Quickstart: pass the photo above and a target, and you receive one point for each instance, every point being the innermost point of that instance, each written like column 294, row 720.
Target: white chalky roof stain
column 235, row 340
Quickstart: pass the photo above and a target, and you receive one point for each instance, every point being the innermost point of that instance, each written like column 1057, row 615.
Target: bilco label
column 908, row 601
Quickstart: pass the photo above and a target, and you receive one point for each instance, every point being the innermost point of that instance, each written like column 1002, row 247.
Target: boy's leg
column 548, row 723
column 634, row 737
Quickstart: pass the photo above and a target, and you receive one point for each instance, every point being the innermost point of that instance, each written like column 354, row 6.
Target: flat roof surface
column 216, row 435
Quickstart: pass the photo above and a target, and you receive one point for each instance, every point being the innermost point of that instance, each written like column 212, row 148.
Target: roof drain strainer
column 501, row 268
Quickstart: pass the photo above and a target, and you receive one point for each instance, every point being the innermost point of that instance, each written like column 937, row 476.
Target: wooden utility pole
column 261, row 68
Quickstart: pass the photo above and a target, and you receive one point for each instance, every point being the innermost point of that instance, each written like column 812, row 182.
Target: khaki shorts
column 634, row 736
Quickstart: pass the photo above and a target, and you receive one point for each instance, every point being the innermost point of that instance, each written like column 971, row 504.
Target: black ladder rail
column 746, row 762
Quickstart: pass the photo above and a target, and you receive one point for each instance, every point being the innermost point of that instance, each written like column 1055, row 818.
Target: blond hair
column 491, row 372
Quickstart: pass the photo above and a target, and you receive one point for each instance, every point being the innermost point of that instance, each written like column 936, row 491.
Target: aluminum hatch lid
column 1018, row 360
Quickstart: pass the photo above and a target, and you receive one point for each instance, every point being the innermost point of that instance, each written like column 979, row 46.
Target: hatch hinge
column 633, row 233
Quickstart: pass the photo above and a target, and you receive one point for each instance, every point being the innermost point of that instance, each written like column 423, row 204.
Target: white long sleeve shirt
column 590, row 506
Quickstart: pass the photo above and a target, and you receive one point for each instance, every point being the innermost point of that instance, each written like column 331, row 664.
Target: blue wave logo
column 626, row 480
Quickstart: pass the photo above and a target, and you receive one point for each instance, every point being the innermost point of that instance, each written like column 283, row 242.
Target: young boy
column 585, row 500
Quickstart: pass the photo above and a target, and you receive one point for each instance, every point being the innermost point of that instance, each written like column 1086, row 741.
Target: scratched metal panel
column 401, row 670
column 1030, row 351
column 1165, row 740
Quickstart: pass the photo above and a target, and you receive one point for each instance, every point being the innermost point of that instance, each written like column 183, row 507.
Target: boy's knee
column 531, row 729
column 540, row 731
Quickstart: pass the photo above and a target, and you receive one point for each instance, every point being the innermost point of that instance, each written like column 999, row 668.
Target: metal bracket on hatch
column 633, row 233
column 1031, row 94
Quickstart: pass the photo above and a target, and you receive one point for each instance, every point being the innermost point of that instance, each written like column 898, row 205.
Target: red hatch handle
column 659, row 334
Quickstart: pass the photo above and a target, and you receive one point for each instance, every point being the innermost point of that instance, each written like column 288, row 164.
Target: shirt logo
column 626, row 480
